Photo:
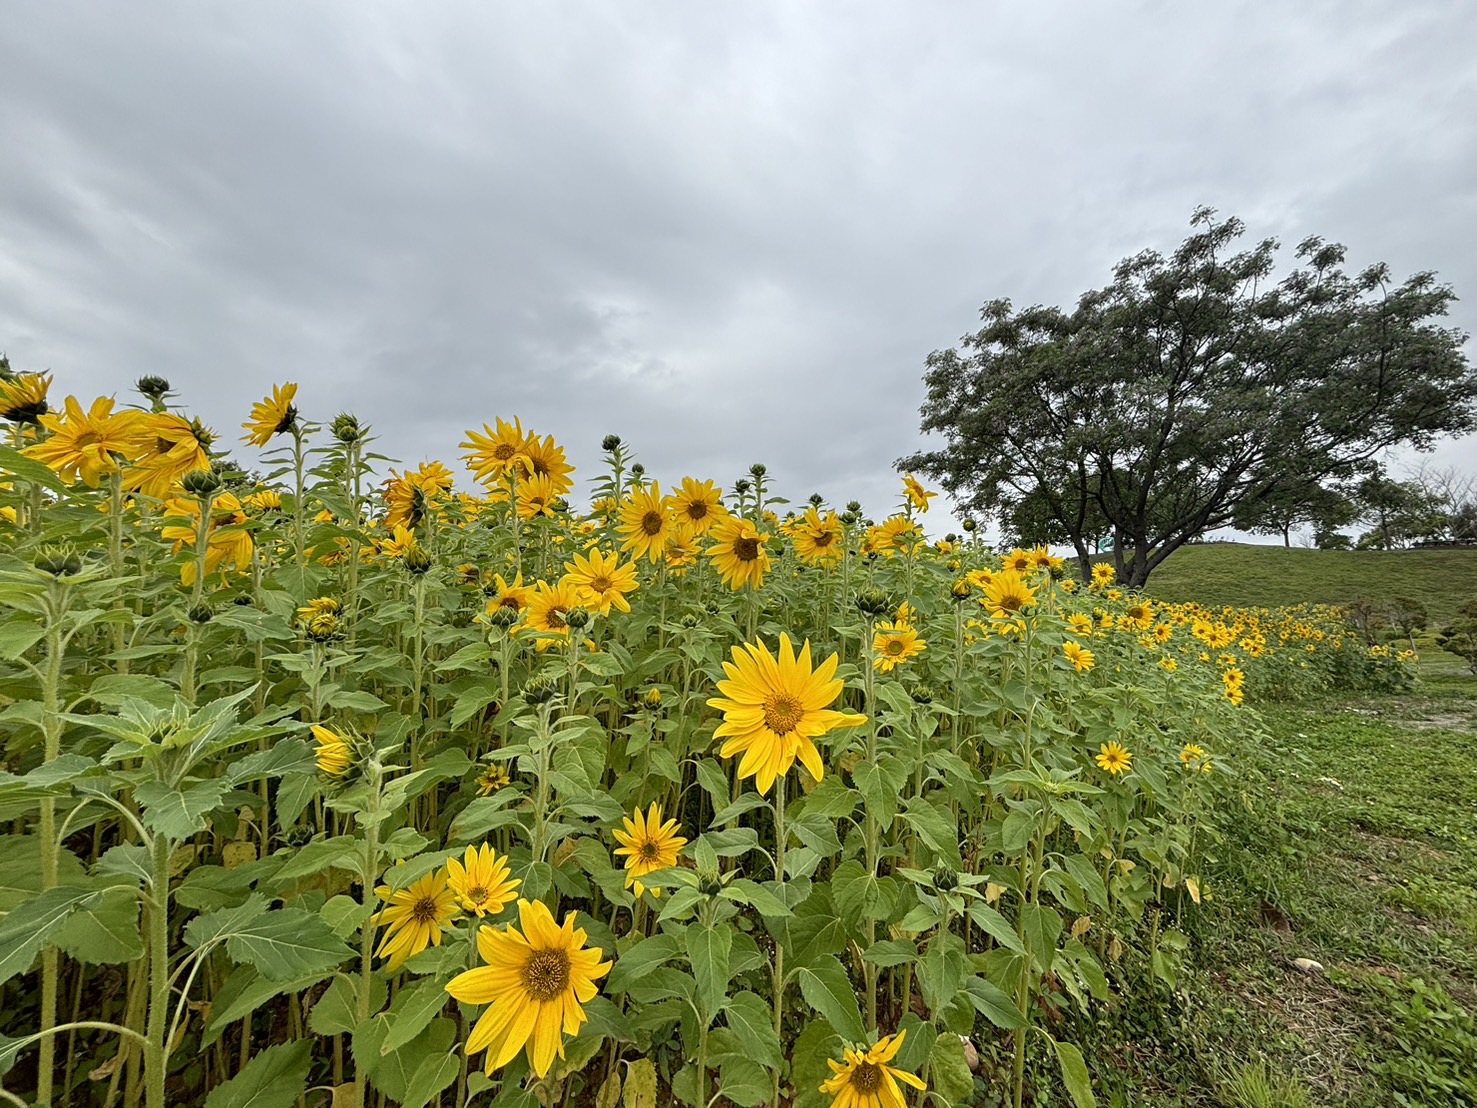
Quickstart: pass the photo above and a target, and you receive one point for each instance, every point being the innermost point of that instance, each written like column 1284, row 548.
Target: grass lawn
column 1271, row 576
column 1356, row 847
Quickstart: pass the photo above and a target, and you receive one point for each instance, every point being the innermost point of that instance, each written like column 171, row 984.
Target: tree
column 1401, row 512
column 1191, row 388
column 1290, row 507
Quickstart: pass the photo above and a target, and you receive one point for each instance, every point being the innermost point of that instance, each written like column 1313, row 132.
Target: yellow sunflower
column 482, row 882
column 545, row 458
column 696, row 505
column 1007, row 595
column 535, row 983
column 414, row 917
column 497, row 453
column 515, row 596
column 271, row 416
column 1081, row 658
column 333, row 754
column 89, row 444
column 601, row 581
column 548, row 606
column 537, row 496
column 23, row 397
column 400, row 543
column 1103, row 575
column 1114, row 759
column 772, row 709
column 1043, row 558
column 739, row 554
column 648, row 844
column 893, row 644
column 181, row 446
column 865, row 1080
column 491, row 779
column 818, row 538
column 916, row 494
column 1079, row 623
column 228, row 544
column 645, row 524
column 682, row 550
column 891, row 535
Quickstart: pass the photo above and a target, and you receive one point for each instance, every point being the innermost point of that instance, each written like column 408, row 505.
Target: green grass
column 1274, row 576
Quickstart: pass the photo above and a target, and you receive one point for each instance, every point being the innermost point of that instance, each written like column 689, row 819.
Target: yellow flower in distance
column 1079, row 624
column 893, row 644
column 1194, row 758
column 23, row 397
column 493, row 455
column 491, row 779
column 773, row 708
column 738, row 553
column 645, row 523
column 535, row 983
column 181, row 446
column 818, row 538
column 482, row 882
column 601, row 581
column 545, row 458
column 271, row 416
column 548, row 606
column 649, row 845
column 1103, row 575
column 1007, row 595
column 865, row 1080
column 1114, row 759
column 917, row 495
column 414, row 917
column 536, row 497
column 89, row 444
column 334, row 755
column 696, row 505
column 515, row 596
column 1081, row 658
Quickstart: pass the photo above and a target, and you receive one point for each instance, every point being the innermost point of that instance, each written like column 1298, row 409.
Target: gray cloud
column 729, row 233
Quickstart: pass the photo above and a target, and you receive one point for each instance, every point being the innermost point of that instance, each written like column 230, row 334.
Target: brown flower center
column 1010, row 602
column 866, row 1077
column 824, row 539
column 782, row 713
column 652, row 523
column 503, row 451
column 697, row 510
column 289, row 417
column 649, row 850
column 894, row 647
column 746, row 549
column 601, row 584
column 87, row 438
column 546, row 974
column 424, row 910
column 477, row 894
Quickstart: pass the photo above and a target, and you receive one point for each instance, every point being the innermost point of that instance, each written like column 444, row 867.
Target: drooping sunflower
column 320, row 605
column 23, row 397
column 414, row 917
column 535, row 982
column 696, row 505
column 648, row 844
column 181, row 446
column 773, row 708
column 865, row 1080
column 482, row 882
column 1113, row 758
column 601, row 581
column 918, row 497
column 645, row 523
column 497, row 453
column 333, row 754
column 271, row 416
column 1007, row 595
column 400, row 543
column 818, row 538
column 738, row 553
column 893, row 644
column 1082, row 659
column 89, row 444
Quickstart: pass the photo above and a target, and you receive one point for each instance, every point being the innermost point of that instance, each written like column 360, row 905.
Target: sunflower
column 273, row 415
column 980, row 578
column 1008, row 595
column 739, row 553
column 535, row 983
column 1193, row 757
column 482, row 882
column 322, row 605
column 696, row 505
column 89, row 444
column 894, row 644
column 400, row 543
column 1079, row 623
column 645, row 523
column 545, row 458
column 1043, row 558
column 548, row 606
column 334, row 754
column 1114, row 759
column 601, row 581
column 773, row 709
column 1103, row 575
column 493, row 456
column 515, row 596
column 818, row 538
column 649, row 845
column 181, row 446
column 891, row 535
column 228, row 544
column 23, row 397
column 1139, row 616
column 491, row 779
column 1081, row 658
column 414, row 917
column 537, row 496
column 682, row 550
column 865, row 1080
column 917, row 496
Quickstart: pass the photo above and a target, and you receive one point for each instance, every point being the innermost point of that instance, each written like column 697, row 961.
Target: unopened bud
column 757, row 470
column 969, row 525
column 417, row 561
column 153, row 388
column 58, row 561
column 652, row 699
column 201, row 482
column 960, row 589
column 610, row 443
column 637, row 469
column 540, row 689
column 504, row 615
column 201, row 613
column 742, row 485
column 346, row 429
column 872, row 602
column 577, row 618
column 816, row 500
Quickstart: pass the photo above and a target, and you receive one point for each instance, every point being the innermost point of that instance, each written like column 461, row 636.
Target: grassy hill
column 1270, row 576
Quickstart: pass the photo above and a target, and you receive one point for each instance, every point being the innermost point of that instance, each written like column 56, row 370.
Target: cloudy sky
column 729, row 232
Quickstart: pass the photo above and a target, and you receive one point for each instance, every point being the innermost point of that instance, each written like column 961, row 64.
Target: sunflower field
column 327, row 788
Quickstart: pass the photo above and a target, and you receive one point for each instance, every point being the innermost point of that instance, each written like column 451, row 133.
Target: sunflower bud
column 417, row 561
column 944, row 878
column 872, row 602
column 922, row 694
column 742, row 485
column 690, row 620
column 58, row 561
column 201, row 482
column 201, row 613
column 610, row 443
column 969, row 525
column 1056, row 571
column 816, row 500
column 854, row 507
column 243, row 600
column 960, row 589
column 653, row 699
column 153, row 389
column 299, row 836
column 346, row 429
column 848, row 519
column 323, row 627
column 637, row 469
column 577, row 618
column 504, row 615
column 757, row 470
column 540, row 689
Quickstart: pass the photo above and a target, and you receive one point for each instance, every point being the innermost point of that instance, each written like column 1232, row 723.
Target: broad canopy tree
column 1190, row 390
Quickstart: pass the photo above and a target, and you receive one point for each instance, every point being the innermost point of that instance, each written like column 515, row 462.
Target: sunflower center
column 652, row 522
column 601, row 584
column 1010, row 602
column 894, row 646
column 649, row 850
column 87, row 438
column 866, row 1077
column 697, row 510
column 477, row 894
column 289, row 417
column 546, row 974
column 782, row 713
column 556, row 618
column 825, row 538
column 424, row 910
column 510, row 602
column 746, row 549
column 503, row 451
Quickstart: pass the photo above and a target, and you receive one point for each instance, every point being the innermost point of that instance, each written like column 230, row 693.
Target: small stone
column 971, row 1055
column 1307, row 965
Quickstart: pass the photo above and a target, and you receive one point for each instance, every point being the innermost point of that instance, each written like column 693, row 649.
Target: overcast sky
column 729, row 232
